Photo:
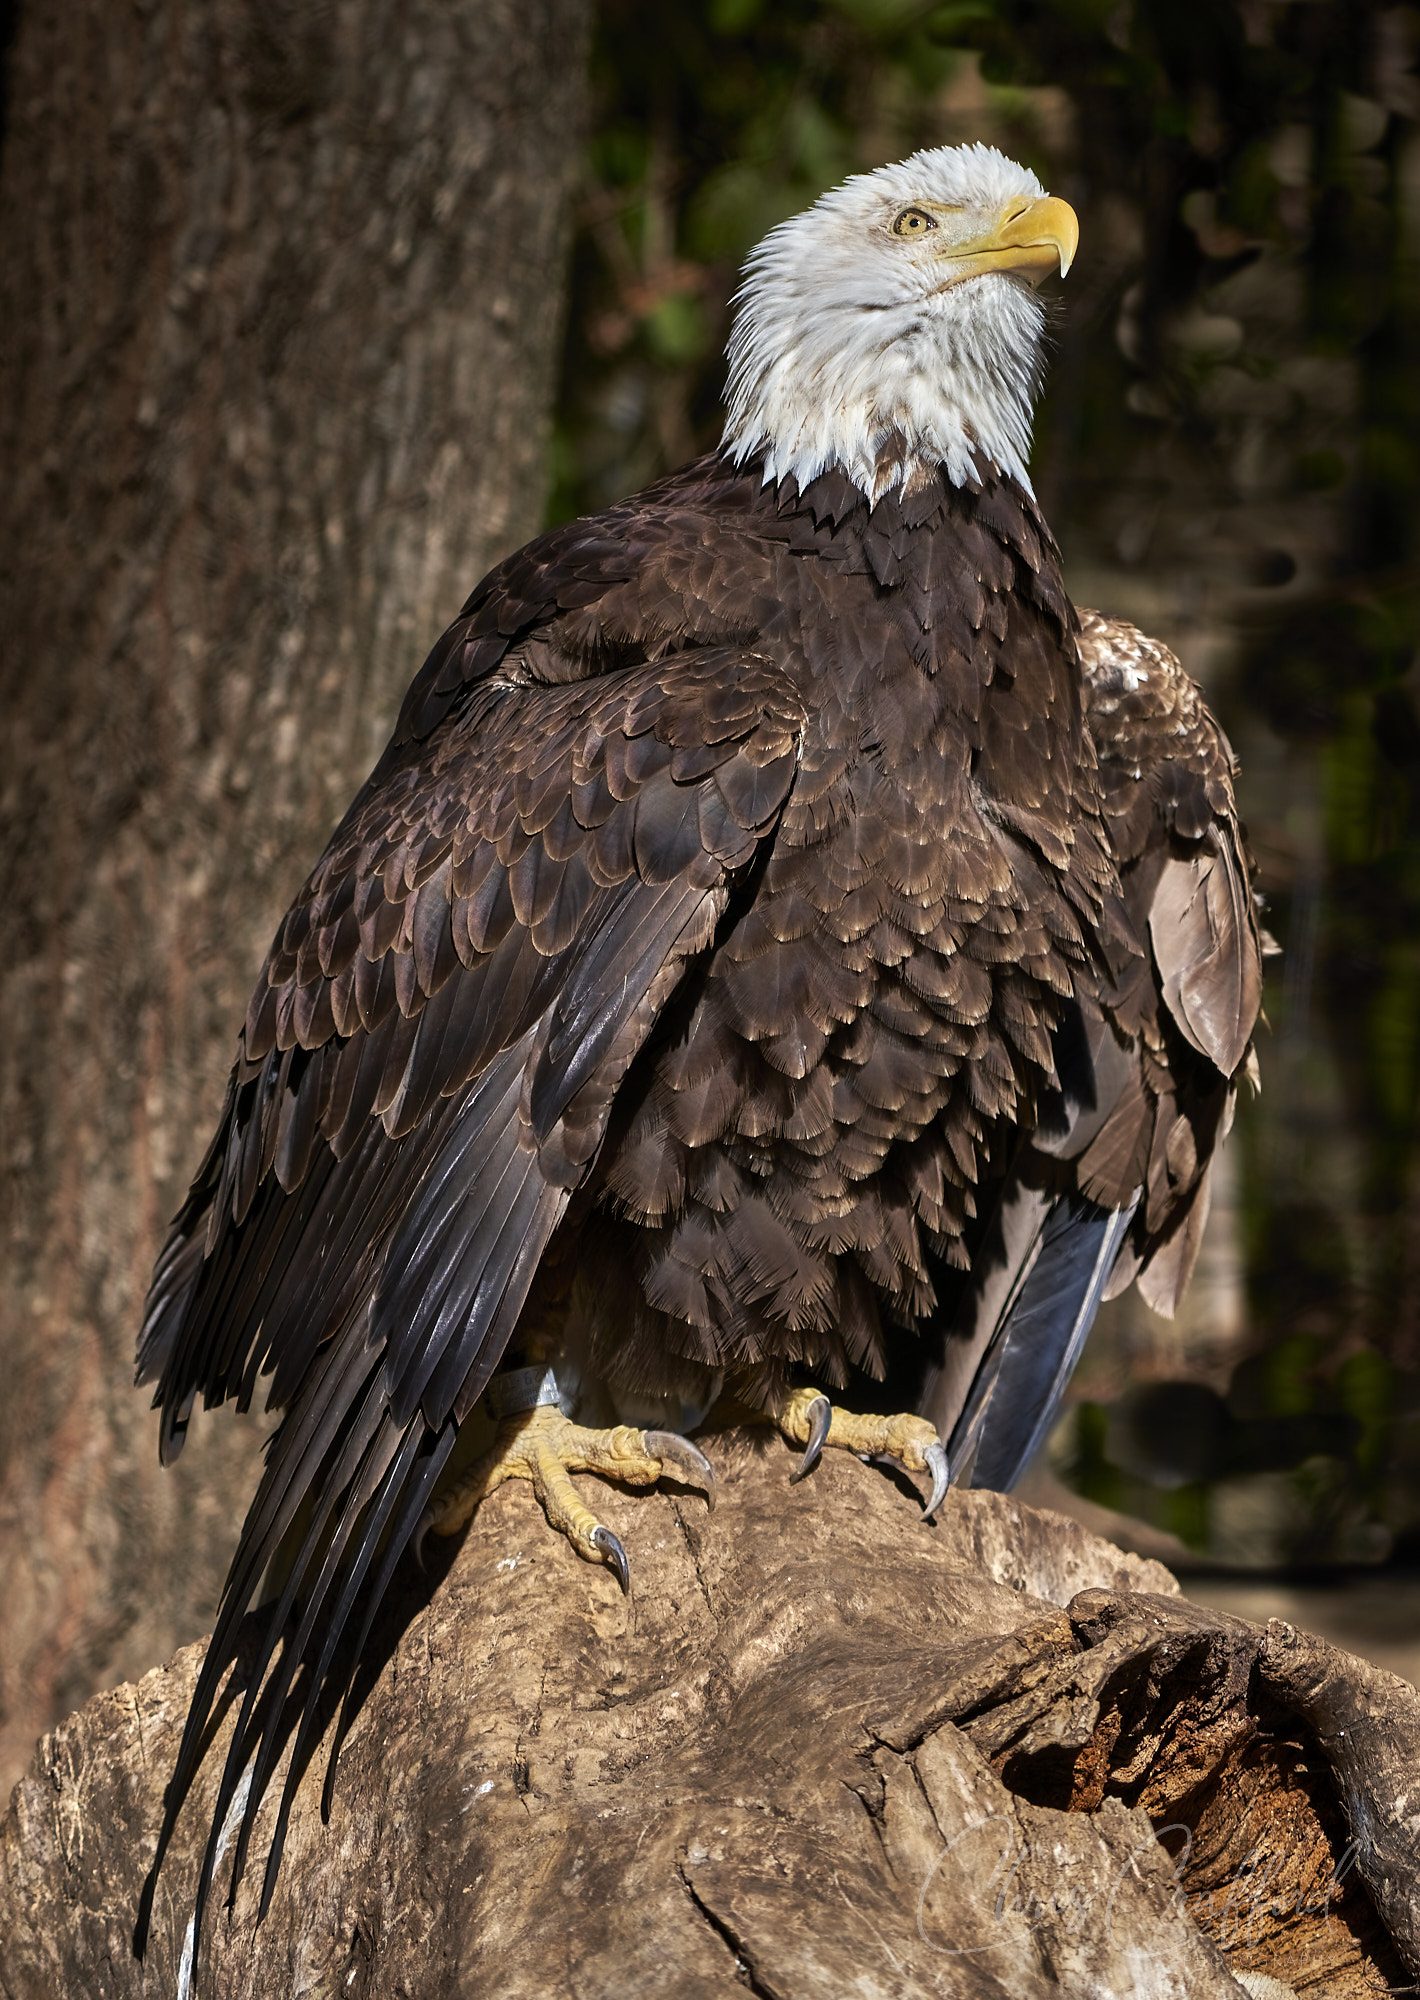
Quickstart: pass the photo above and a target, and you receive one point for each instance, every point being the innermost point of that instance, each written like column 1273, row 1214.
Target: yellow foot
column 544, row 1446
column 807, row 1417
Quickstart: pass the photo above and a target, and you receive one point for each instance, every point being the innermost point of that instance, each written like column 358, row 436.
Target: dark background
column 287, row 359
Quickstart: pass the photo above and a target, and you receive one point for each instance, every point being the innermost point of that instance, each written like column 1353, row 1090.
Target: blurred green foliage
column 1229, row 451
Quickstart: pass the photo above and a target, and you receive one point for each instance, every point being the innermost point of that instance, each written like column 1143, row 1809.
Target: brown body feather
column 694, row 957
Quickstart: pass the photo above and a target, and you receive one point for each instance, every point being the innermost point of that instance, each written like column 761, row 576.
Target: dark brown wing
column 423, row 1079
column 1192, row 1005
column 1113, row 1184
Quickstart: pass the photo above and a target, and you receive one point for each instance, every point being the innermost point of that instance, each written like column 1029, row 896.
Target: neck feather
column 949, row 387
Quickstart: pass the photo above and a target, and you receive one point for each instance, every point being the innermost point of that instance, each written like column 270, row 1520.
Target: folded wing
column 423, row 1080
column 1112, row 1187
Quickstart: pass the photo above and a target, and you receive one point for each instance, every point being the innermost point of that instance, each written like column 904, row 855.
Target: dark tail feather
column 1043, row 1338
column 1013, row 1346
column 414, row 1500
column 417, row 1475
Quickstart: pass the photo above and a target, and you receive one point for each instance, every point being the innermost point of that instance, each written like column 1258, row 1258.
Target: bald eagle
column 784, row 948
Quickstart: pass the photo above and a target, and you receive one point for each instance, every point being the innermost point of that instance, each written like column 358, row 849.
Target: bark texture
column 283, row 293
column 823, row 1749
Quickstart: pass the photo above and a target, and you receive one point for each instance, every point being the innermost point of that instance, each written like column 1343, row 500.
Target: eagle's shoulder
column 681, row 562
column 1165, row 763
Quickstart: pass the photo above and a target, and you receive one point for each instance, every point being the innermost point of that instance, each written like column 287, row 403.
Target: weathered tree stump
column 823, row 1749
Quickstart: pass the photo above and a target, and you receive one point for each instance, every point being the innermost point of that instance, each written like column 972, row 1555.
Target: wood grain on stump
column 822, row 1750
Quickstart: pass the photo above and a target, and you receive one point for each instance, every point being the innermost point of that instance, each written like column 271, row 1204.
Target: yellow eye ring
column 913, row 222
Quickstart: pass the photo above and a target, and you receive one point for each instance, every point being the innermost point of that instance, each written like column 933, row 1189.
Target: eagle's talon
column 612, row 1551
column 807, row 1417
column 545, row 1447
column 683, row 1460
column 936, row 1463
column 820, row 1416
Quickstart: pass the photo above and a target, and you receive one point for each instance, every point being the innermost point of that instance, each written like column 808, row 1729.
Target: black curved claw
column 609, row 1547
column 683, row 1458
column 820, row 1417
column 419, row 1538
column 935, row 1457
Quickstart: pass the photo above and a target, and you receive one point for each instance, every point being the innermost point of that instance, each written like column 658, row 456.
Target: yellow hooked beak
column 1035, row 241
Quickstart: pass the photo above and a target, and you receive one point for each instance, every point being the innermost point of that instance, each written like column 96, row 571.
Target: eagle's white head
column 893, row 327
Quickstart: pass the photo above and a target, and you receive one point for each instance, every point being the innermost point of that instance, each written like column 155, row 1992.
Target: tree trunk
column 283, row 287
column 823, row 1749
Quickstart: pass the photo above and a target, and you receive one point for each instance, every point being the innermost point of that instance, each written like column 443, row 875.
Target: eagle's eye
column 913, row 222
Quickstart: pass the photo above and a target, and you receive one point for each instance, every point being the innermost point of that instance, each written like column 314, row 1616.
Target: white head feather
column 856, row 347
